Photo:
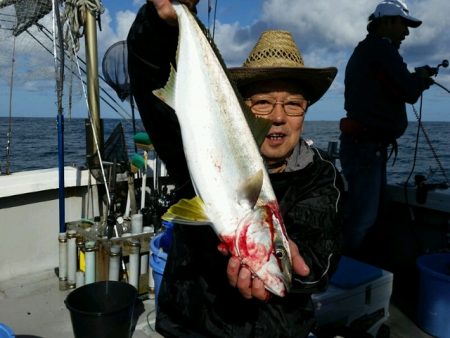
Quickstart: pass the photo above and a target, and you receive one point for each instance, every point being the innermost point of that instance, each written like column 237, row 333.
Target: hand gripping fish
column 233, row 189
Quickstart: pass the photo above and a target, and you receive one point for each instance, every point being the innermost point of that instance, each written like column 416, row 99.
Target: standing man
column 378, row 84
column 205, row 293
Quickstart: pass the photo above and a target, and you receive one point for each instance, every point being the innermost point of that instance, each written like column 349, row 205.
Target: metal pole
column 61, row 193
column 93, row 83
column 59, row 68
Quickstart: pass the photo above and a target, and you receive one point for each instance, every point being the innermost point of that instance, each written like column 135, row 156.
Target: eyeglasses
column 264, row 105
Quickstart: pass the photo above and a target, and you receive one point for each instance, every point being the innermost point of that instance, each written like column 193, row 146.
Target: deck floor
column 33, row 306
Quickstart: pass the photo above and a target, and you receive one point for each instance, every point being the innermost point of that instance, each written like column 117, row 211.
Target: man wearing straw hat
column 204, row 292
column 378, row 84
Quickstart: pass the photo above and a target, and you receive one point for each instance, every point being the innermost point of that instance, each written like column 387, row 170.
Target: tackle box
column 357, row 298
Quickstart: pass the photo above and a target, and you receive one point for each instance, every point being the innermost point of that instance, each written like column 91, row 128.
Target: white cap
column 395, row 8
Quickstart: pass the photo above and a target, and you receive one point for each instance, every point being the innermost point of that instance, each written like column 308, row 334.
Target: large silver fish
column 234, row 191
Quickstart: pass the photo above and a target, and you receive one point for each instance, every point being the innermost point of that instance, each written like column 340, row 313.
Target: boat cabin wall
column 29, row 217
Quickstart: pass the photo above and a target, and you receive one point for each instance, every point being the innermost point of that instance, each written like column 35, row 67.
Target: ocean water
column 34, row 145
column 417, row 154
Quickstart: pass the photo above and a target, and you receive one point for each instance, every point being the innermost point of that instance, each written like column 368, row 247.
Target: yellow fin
column 167, row 94
column 250, row 190
column 187, row 211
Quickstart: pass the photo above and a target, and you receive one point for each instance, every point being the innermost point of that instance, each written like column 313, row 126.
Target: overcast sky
column 325, row 31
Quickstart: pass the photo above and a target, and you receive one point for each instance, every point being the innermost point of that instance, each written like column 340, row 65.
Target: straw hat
column 276, row 56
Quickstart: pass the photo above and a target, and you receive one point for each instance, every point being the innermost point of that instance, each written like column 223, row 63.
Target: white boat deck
column 33, row 306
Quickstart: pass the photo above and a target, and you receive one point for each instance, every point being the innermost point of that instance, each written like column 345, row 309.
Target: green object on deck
column 143, row 141
column 137, row 162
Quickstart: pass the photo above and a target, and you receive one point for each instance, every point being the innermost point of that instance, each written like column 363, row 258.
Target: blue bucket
column 434, row 295
column 6, row 331
column 167, row 236
column 157, row 261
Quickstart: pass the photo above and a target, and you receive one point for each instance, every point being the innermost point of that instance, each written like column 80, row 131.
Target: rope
column 215, row 14
column 58, row 55
column 74, row 14
column 210, row 35
column 9, row 134
column 441, row 86
column 405, row 185
column 433, row 151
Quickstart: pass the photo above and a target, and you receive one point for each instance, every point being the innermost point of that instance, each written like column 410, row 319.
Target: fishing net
column 115, row 69
column 27, row 61
column 115, row 150
column 33, row 65
column 27, row 12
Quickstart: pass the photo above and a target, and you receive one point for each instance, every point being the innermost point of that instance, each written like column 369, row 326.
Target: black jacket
column 195, row 298
column 377, row 86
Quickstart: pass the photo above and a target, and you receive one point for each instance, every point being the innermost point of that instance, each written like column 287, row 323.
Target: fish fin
column 258, row 126
column 249, row 191
column 167, row 94
column 187, row 211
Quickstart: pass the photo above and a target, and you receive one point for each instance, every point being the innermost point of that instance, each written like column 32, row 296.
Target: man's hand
column 167, row 12
column 425, row 71
column 252, row 287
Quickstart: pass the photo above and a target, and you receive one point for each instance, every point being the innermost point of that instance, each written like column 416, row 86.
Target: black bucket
column 102, row 310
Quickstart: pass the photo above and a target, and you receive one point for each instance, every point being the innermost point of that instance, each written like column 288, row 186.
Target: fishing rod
column 420, row 180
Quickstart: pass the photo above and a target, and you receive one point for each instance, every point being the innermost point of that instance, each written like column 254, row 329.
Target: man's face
column 397, row 30
column 286, row 130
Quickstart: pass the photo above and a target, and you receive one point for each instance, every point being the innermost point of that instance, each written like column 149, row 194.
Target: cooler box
column 358, row 297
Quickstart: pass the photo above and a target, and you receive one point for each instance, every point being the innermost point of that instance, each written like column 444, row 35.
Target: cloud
column 28, row 57
column 114, row 28
column 234, row 42
column 327, row 32
column 318, row 22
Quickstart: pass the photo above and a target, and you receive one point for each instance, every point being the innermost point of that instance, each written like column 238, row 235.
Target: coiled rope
column 74, row 15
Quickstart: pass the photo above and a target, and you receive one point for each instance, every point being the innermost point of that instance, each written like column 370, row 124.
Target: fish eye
column 280, row 253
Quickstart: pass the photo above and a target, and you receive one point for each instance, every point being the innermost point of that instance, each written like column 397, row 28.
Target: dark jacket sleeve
column 311, row 203
column 151, row 50
column 390, row 69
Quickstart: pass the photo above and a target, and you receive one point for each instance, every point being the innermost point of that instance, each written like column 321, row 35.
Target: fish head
column 262, row 245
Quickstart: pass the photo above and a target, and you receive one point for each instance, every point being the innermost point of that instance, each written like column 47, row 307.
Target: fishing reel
column 444, row 64
column 433, row 71
column 423, row 188
column 427, row 71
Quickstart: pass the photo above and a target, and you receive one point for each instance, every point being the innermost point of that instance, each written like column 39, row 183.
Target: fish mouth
column 282, row 253
column 262, row 246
